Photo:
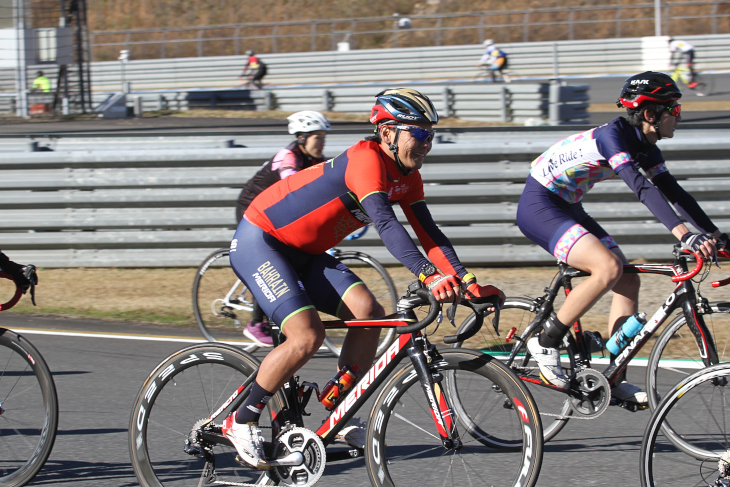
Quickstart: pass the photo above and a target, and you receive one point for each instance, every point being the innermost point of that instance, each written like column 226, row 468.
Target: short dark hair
column 376, row 137
column 636, row 115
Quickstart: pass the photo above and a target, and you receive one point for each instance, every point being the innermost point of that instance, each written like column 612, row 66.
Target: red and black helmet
column 403, row 105
column 648, row 87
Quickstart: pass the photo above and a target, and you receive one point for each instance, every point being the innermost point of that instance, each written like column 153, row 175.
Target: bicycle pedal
column 237, row 324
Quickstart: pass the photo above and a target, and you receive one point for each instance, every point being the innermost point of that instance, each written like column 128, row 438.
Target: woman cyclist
column 279, row 251
column 550, row 211
column 310, row 129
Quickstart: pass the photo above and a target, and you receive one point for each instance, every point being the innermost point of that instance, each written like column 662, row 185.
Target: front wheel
column 222, row 304
column 517, row 314
column 403, row 448
column 185, row 389
column 676, row 356
column 698, row 406
column 29, row 410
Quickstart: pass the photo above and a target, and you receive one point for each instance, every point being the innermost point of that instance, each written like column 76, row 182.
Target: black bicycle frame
column 684, row 296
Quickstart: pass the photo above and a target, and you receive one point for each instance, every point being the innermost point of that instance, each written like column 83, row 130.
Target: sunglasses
column 674, row 110
column 421, row 135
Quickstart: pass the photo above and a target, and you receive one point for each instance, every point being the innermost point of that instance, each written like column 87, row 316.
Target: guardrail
column 158, row 208
column 516, row 102
column 528, row 59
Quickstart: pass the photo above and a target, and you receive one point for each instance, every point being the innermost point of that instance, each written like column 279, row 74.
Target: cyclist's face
column 668, row 123
column 314, row 145
column 411, row 151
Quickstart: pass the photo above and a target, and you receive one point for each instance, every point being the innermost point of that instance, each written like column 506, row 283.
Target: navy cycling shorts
column 553, row 223
column 284, row 280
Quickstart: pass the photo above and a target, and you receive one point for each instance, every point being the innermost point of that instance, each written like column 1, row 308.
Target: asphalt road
column 98, row 375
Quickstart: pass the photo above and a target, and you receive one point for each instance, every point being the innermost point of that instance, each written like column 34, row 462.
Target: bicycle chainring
column 595, row 394
column 306, row 442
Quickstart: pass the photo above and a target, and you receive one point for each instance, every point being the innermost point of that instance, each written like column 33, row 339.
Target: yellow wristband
column 468, row 277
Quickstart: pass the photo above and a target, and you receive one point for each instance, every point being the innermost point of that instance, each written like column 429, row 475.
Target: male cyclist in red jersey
column 279, row 251
column 310, row 129
column 550, row 212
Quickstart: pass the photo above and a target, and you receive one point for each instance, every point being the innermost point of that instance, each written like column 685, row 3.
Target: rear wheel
column 517, row 314
column 704, row 85
column 182, row 391
column 29, row 405
column 403, row 448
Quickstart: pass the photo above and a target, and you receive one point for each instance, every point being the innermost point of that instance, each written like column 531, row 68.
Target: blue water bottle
column 628, row 330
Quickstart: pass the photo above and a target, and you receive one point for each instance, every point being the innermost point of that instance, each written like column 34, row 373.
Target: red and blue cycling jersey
column 316, row 208
column 571, row 167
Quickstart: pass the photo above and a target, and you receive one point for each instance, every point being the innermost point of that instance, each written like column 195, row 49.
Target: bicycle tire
column 213, row 282
column 380, row 284
column 30, row 410
column 518, row 313
column 666, row 462
column 704, row 85
column 676, row 355
column 400, row 423
column 187, row 387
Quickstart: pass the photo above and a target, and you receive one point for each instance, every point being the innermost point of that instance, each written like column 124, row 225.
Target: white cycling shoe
column 248, row 441
column 548, row 360
column 353, row 434
column 628, row 392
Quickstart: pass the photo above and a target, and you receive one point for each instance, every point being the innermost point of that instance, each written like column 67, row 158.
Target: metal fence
column 507, row 26
column 161, row 208
column 467, row 101
column 535, row 59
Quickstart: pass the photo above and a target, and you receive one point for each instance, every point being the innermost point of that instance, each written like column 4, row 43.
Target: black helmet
column 250, row 53
column 646, row 88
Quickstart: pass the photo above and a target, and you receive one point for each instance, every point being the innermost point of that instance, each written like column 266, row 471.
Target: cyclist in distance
column 683, row 51
column 550, row 212
column 257, row 67
column 279, row 251
column 310, row 129
column 496, row 59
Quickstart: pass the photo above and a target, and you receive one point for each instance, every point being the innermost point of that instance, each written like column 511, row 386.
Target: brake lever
column 451, row 314
column 30, row 274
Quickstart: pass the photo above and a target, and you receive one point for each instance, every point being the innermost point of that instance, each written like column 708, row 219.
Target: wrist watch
column 428, row 269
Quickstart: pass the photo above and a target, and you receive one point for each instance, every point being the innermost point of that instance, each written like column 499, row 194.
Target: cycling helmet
column 307, row 121
column 250, row 53
column 403, row 105
column 488, row 42
column 648, row 87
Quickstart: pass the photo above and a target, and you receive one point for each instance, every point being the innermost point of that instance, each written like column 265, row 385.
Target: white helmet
column 307, row 121
column 488, row 42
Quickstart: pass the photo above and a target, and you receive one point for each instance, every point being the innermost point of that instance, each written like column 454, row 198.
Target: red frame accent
column 14, row 300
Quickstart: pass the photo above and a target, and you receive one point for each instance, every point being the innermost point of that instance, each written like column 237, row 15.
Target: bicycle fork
column 441, row 412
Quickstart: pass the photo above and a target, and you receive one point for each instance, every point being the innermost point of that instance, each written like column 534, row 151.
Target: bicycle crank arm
column 291, row 460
